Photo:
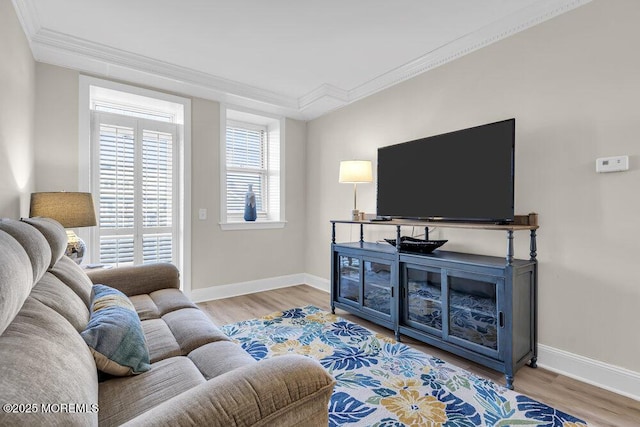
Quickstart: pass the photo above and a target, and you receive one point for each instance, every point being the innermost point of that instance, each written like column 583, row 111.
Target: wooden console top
column 418, row 223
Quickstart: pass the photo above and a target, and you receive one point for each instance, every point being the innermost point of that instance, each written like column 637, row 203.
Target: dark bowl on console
column 419, row 246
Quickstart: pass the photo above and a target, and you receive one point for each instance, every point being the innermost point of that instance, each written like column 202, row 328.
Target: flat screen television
column 466, row 175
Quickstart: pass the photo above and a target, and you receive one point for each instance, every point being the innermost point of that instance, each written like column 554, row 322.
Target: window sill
column 251, row 225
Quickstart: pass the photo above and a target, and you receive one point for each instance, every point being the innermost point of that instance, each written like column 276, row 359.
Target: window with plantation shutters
column 251, row 154
column 135, row 188
column 246, row 151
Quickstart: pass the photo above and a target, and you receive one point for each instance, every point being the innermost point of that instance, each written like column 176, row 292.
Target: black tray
column 413, row 245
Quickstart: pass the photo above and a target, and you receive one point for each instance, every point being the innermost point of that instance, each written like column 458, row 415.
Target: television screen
column 466, row 175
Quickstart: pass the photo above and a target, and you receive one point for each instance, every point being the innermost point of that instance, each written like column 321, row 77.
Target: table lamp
column 70, row 209
column 355, row 172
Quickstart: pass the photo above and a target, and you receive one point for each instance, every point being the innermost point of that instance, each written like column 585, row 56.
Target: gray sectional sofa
column 48, row 375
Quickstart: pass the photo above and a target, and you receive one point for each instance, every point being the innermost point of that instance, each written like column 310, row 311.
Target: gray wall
column 17, row 92
column 573, row 85
column 222, row 257
column 56, row 153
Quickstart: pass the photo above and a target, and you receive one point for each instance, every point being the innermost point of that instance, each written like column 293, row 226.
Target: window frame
column 182, row 112
column 274, row 201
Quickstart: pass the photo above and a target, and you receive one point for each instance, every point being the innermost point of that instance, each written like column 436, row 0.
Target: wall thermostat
column 612, row 164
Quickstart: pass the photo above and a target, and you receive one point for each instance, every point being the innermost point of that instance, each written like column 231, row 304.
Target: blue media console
column 482, row 308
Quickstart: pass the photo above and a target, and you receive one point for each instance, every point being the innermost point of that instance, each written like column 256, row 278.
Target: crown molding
column 323, row 91
column 515, row 23
column 63, row 50
column 323, row 99
column 28, row 18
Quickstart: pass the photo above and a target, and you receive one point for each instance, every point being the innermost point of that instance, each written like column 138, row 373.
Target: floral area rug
column 383, row 383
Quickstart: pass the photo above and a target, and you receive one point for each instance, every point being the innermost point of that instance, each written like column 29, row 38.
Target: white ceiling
column 297, row 58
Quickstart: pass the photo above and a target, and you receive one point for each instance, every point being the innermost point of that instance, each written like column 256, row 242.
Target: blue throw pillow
column 114, row 333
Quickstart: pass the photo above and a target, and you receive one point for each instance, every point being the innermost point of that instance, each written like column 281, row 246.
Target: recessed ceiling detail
column 284, row 57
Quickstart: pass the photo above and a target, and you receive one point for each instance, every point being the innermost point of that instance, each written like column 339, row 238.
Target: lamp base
column 76, row 247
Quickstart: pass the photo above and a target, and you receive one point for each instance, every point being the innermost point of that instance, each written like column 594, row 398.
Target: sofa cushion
column 54, row 294
column 122, row 399
column 192, row 329
column 55, row 234
column 168, row 300
column 145, row 307
column 114, row 334
column 44, row 361
column 161, row 342
column 33, row 242
column 158, row 303
column 220, row 357
column 16, row 278
column 74, row 277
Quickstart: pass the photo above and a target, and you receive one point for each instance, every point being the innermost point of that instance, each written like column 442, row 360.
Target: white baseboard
column 600, row 374
column 317, row 282
column 253, row 286
column 243, row 288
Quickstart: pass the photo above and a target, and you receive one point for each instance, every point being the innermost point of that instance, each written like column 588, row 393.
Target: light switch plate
column 612, row 164
column 202, row 214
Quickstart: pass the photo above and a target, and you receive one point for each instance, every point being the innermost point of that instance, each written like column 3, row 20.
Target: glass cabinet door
column 349, row 278
column 473, row 311
column 424, row 298
column 377, row 286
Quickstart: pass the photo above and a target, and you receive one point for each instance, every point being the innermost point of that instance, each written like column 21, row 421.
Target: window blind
column 246, row 151
column 116, row 176
column 136, row 190
column 157, row 179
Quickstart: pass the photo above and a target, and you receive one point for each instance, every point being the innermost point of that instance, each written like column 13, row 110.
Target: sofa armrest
column 139, row 279
column 285, row 391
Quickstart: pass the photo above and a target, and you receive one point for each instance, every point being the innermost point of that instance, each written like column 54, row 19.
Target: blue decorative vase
column 250, row 213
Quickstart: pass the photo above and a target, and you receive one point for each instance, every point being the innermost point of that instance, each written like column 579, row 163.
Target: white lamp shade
column 355, row 171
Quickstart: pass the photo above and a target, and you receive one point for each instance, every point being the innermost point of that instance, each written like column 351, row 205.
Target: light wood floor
column 596, row 406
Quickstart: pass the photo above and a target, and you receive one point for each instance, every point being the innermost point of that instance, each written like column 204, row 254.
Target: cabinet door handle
column 392, row 292
column 501, row 319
